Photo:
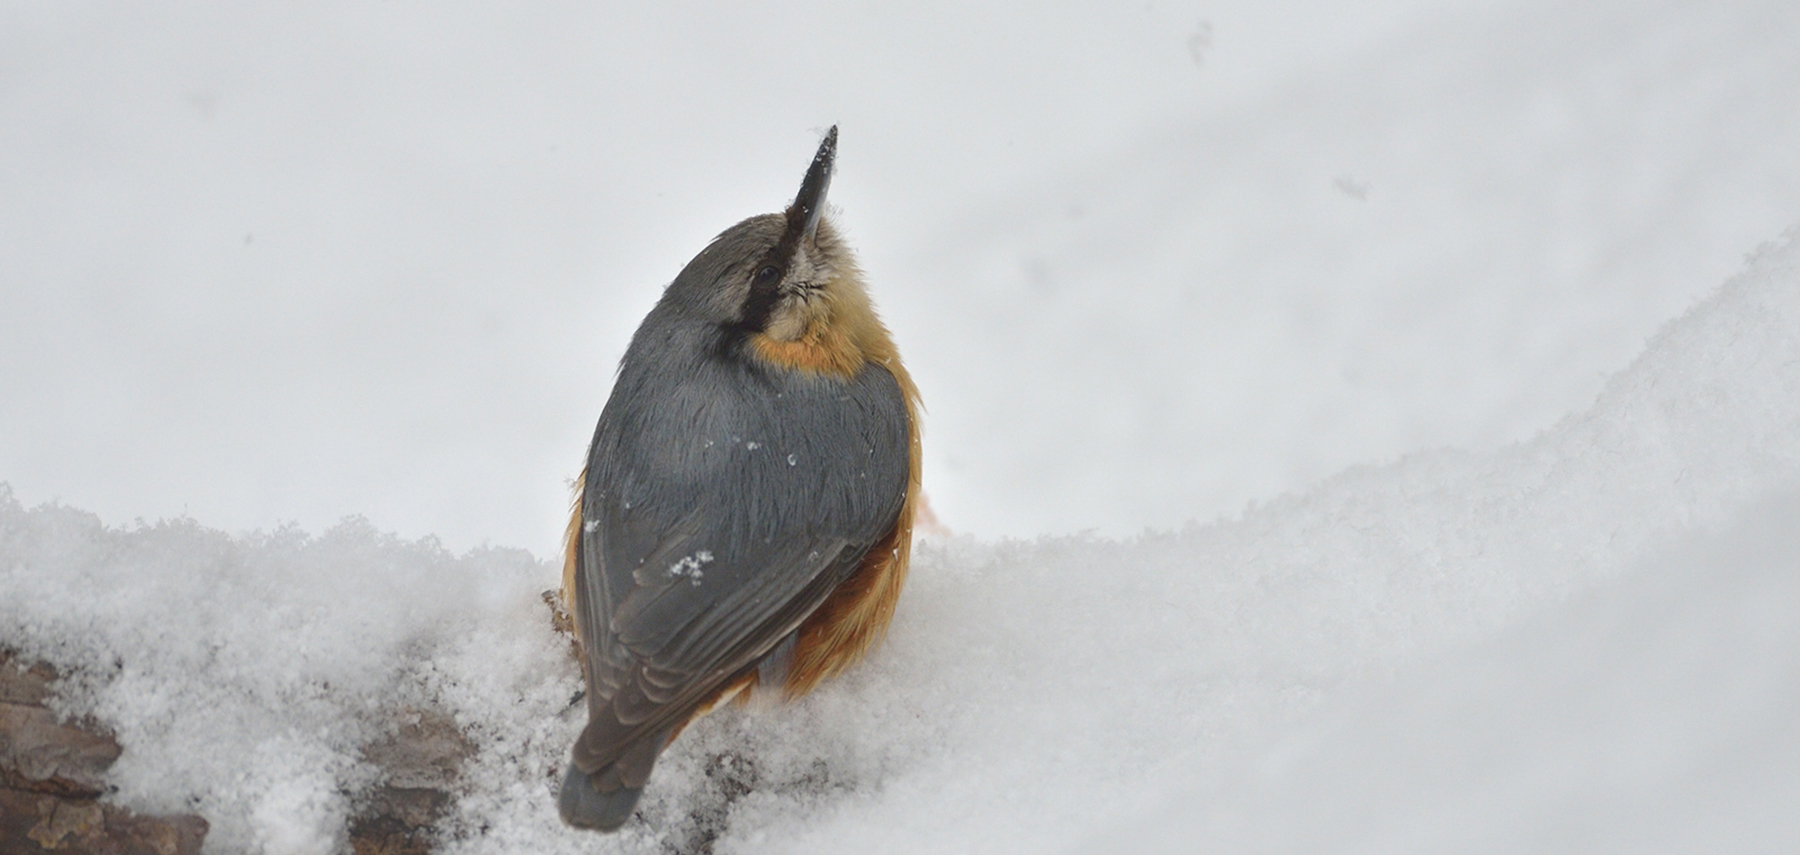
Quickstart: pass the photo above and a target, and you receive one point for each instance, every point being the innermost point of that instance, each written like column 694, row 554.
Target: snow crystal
column 689, row 566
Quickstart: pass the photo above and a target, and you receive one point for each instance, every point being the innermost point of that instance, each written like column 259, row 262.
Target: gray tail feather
column 584, row 806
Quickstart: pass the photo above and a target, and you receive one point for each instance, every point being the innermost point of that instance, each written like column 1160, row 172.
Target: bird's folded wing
column 673, row 618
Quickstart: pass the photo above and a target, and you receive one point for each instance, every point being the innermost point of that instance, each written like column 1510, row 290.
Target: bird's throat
column 818, row 351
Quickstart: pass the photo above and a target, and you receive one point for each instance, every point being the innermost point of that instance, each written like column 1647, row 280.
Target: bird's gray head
column 784, row 278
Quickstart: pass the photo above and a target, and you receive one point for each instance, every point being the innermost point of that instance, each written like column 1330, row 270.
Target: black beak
column 804, row 213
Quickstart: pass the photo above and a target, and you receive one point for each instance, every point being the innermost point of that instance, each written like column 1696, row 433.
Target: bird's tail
column 583, row 805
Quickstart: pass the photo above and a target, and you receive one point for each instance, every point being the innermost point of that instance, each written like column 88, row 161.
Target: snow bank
column 1660, row 713
column 1031, row 694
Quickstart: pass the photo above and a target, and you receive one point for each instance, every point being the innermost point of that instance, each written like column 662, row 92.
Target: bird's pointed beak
column 804, row 213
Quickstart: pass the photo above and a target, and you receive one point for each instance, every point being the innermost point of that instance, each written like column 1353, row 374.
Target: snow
column 1033, row 693
column 1433, row 443
column 246, row 673
column 1653, row 714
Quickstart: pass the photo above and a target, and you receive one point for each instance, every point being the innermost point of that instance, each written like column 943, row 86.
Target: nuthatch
column 746, row 514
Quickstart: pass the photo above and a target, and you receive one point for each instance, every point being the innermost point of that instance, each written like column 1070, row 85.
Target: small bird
column 746, row 513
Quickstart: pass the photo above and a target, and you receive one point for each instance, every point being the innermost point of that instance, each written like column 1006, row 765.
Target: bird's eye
column 768, row 276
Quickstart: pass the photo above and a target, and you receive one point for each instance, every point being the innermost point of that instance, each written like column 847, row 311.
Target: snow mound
column 1031, row 693
column 1659, row 713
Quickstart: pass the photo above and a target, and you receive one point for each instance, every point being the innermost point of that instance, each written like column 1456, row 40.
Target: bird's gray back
column 689, row 427
column 724, row 500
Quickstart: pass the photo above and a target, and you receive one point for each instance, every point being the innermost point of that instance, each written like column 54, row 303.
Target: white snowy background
column 1368, row 430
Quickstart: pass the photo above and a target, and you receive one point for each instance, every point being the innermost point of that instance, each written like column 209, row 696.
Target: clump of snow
column 1031, row 694
column 689, row 566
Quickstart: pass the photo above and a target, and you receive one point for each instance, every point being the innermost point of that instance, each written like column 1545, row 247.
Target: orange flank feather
column 856, row 615
column 571, row 548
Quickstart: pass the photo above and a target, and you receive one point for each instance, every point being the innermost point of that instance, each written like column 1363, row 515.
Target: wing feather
column 704, row 544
